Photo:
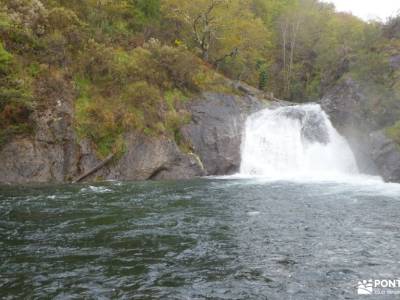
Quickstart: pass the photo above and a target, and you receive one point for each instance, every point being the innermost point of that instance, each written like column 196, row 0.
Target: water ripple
column 208, row 238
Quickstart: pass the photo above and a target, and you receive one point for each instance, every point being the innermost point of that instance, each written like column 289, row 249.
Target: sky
column 368, row 9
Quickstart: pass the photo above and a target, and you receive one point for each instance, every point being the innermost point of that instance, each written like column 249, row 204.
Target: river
column 202, row 239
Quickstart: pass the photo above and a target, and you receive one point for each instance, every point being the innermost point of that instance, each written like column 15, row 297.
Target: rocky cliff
column 213, row 138
column 347, row 105
column 216, row 130
column 55, row 154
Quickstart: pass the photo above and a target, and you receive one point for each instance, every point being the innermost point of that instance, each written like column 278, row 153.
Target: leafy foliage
column 134, row 63
column 15, row 98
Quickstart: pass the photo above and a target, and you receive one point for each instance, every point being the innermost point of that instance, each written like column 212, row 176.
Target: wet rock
column 314, row 129
column 345, row 105
column 313, row 125
column 216, row 130
column 154, row 158
column 386, row 153
column 375, row 153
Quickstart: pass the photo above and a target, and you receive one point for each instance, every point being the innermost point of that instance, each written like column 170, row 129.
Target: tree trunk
column 95, row 169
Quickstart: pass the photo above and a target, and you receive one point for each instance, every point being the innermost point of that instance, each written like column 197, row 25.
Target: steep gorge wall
column 55, row 154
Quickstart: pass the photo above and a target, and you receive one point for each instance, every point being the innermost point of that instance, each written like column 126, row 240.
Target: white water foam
column 95, row 189
column 299, row 144
column 295, row 142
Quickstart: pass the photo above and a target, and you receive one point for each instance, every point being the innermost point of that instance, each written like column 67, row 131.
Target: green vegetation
column 134, row 63
column 394, row 132
column 15, row 98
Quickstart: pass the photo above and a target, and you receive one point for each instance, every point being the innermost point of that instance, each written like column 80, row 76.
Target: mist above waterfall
column 295, row 141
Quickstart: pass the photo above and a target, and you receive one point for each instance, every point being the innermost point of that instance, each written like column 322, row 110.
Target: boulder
column 150, row 158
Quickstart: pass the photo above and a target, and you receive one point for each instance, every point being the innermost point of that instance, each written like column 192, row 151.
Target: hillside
column 116, row 67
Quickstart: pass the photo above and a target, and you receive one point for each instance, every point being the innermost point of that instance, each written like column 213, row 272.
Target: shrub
column 5, row 58
column 96, row 61
column 55, row 45
column 178, row 65
column 28, row 14
column 15, row 101
column 66, row 22
column 142, row 94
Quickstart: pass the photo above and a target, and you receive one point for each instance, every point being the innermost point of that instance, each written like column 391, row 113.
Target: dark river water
column 202, row 239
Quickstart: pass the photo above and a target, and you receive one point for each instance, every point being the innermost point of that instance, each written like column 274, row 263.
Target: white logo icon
column 365, row 287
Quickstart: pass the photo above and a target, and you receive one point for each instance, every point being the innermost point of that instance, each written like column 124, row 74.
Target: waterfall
column 295, row 141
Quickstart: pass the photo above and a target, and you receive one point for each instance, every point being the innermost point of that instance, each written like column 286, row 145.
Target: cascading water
column 295, row 141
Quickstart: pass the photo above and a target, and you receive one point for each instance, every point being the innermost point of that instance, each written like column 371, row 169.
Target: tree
column 338, row 47
column 226, row 33
column 203, row 18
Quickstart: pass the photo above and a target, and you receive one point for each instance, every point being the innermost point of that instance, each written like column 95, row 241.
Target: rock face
column 214, row 134
column 386, row 155
column 344, row 104
column 146, row 158
column 375, row 153
column 216, row 130
column 55, row 154
column 154, row 158
column 49, row 156
column 314, row 127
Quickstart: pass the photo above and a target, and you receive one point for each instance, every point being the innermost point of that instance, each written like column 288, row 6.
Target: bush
column 142, row 94
column 28, row 14
column 15, row 107
column 5, row 58
column 178, row 65
column 140, row 90
column 97, row 62
column 55, row 45
column 66, row 22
